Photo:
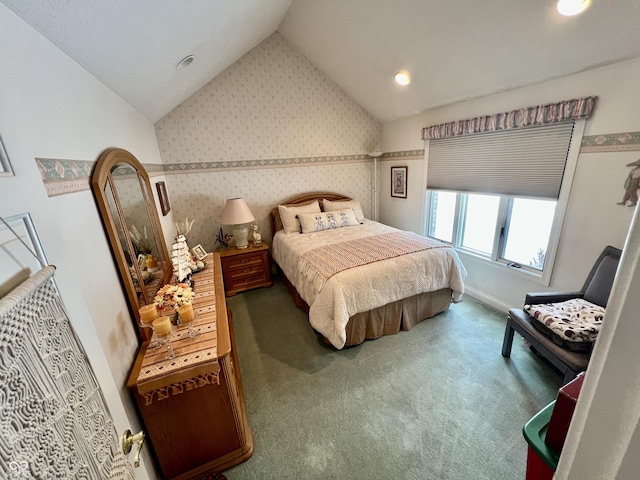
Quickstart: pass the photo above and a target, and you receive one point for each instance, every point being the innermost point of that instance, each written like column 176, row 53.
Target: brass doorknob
column 128, row 439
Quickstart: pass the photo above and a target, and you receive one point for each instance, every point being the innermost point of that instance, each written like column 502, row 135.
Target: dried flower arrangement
column 223, row 238
column 141, row 240
column 185, row 227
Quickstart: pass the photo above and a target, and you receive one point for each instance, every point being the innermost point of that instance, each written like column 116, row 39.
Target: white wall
column 53, row 108
column 593, row 219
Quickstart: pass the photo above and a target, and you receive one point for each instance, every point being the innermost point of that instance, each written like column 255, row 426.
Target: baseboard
column 488, row 299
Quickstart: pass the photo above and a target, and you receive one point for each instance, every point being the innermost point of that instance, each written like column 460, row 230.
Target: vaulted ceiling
column 454, row 49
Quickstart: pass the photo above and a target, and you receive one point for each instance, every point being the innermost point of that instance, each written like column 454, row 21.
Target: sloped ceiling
column 454, row 50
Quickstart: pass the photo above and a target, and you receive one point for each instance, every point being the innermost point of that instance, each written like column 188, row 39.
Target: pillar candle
column 162, row 326
column 151, row 262
column 148, row 313
column 186, row 312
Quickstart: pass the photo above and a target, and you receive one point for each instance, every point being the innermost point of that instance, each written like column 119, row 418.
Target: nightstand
column 245, row 269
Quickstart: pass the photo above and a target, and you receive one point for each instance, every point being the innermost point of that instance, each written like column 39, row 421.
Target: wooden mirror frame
column 122, row 245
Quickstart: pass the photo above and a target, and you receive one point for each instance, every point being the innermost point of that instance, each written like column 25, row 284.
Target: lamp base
column 240, row 233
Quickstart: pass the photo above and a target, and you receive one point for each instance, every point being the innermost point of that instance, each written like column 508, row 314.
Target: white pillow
column 330, row 206
column 288, row 215
column 316, row 222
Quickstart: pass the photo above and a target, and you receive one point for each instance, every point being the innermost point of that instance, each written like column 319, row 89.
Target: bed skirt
column 390, row 318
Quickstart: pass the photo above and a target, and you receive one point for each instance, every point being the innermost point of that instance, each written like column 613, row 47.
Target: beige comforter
column 365, row 287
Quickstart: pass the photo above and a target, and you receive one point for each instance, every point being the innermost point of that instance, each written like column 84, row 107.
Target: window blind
column 525, row 161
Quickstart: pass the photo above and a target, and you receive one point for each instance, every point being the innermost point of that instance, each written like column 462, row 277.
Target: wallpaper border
column 611, row 142
column 63, row 176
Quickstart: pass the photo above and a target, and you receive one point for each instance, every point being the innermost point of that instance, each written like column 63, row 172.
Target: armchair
column 596, row 290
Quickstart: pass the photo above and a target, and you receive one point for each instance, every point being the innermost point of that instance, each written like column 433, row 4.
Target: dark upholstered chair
column 596, row 290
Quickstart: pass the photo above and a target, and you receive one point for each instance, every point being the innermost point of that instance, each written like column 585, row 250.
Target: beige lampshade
column 236, row 212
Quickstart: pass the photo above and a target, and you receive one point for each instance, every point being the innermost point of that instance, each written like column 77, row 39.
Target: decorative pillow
column 288, row 215
column 330, row 206
column 316, row 222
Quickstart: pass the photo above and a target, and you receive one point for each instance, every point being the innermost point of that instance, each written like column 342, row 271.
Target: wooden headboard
column 302, row 199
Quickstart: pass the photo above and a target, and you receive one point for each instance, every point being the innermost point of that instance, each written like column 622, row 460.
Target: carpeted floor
column 437, row 402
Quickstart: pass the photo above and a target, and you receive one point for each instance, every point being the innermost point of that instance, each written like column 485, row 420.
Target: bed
column 331, row 259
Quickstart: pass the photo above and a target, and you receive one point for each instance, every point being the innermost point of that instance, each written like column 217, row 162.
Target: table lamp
column 236, row 214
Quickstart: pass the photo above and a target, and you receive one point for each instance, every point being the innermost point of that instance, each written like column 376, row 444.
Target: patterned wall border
column 405, row 154
column 61, row 176
column 611, row 142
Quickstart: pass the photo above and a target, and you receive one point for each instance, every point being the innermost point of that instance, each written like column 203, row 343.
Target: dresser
column 246, row 268
column 192, row 405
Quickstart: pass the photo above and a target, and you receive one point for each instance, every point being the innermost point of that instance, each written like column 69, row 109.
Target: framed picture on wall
column 399, row 182
column 164, row 198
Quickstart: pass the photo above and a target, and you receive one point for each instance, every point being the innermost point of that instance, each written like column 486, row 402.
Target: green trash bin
column 542, row 461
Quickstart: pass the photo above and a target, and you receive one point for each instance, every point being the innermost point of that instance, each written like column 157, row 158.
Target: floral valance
column 523, row 117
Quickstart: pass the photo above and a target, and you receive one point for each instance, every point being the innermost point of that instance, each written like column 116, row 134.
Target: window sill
column 537, row 278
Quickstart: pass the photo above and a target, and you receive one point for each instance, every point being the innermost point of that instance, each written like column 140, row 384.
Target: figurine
column 631, row 185
column 257, row 238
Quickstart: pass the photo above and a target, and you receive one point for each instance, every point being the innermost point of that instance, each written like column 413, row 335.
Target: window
column 479, row 222
column 498, row 185
column 528, row 230
column 512, row 231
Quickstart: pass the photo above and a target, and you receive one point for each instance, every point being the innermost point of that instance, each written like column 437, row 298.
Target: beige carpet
column 437, row 402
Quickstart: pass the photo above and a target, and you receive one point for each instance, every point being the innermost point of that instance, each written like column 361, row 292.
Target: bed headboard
column 302, row 199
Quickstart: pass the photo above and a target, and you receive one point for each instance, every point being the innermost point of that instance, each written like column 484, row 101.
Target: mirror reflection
column 124, row 196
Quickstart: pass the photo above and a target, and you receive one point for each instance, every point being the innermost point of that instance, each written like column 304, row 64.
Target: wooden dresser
column 193, row 405
column 245, row 269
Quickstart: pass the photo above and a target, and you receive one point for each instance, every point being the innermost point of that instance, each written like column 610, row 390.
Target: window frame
column 541, row 277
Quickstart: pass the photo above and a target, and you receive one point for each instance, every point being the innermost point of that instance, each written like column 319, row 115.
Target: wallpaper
column 272, row 103
column 270, row 126
column 202, row 196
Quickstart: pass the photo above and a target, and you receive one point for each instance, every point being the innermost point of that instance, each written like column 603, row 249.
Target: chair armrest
column 550, row 297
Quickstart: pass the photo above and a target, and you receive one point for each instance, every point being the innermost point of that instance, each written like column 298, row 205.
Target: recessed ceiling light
column 402, row 78
column 184, row 63
column 572, row 7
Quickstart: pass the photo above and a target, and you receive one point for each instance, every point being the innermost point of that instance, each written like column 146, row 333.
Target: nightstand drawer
column 248, row 261
column 245, row 271
column 248, row 281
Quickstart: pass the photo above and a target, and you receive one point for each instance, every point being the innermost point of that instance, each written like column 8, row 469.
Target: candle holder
column 191, row 332
column 187, row 316
column 163, row 329
column 166, row 340
column 155, row 341
column 148, row 314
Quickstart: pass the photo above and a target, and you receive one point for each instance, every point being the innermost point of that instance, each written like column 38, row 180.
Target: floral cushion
column 573, row 322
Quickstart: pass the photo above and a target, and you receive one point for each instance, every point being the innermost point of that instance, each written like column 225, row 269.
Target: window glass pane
column 480, row 222
column 443, row 212
column 528, row 232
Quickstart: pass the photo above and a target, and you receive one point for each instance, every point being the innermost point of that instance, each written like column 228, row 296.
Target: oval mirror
column 123, row 192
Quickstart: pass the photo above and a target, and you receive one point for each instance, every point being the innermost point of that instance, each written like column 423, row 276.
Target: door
column 55, row 422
